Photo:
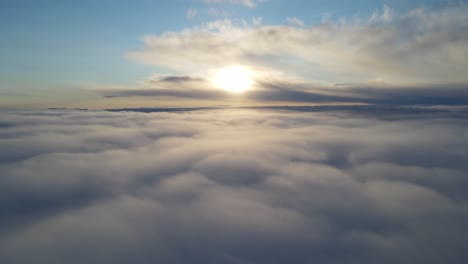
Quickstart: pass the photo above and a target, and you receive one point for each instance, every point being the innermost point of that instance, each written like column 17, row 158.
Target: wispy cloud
column 192, row 12
column 295, row 21
column 257, row 21
column 386, row 15
column 246, row 3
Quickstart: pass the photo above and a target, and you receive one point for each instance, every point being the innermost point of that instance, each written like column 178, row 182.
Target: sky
column 102, row 54
column 233, row 132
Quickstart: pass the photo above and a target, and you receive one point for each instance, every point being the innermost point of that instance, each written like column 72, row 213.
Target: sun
column 235, row 79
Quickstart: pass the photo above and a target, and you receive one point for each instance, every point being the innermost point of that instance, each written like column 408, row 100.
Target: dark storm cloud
column 234, row 186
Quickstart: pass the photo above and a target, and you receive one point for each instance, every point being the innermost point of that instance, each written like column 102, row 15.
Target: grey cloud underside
column 171, row 86
column 410, row 95
column 234, row 186
column 388, row 112
column 449, row 94
column 172, row 79
column 194, row 94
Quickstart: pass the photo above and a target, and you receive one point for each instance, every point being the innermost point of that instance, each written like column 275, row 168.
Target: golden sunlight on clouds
column 235, row 79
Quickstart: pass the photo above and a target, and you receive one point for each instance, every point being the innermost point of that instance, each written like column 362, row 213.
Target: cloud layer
column 234, row 186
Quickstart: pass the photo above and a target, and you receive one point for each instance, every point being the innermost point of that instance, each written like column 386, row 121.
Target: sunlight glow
column 235, row 79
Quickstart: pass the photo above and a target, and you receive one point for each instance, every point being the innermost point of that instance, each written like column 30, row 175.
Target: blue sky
column 75, row 44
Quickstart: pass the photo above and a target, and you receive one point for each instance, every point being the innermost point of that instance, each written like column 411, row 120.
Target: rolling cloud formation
column 339, row 185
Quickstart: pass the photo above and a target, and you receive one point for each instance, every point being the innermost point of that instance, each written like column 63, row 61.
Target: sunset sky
column 101, row 54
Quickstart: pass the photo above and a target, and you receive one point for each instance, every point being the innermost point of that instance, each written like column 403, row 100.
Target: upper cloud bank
column 233, row 186
column 420, row 57
column 417, row 47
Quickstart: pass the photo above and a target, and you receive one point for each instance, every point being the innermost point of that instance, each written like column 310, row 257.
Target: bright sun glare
column 235, row 79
